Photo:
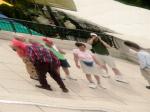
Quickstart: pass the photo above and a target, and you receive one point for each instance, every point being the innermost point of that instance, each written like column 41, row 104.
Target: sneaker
column 101, row 86
column 106, row 76
column 71, row 77
column 34, row 78
column 148, row 87
column 44, row 87
column 65, row 90
column 119, row 78
column 63, row 78
column 92, row 85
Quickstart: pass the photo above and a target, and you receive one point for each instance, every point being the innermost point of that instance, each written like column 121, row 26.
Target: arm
column 90, row 41
column 58, row 49
column 61, row 51
column 95, row 60
column 76, row 60
column 105, row 44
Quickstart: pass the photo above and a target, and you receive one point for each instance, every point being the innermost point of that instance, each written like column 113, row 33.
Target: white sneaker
column 71, row 77
column 101, row 86
column 63, row 77
column 120, row 78
column 92, row 85
column 105, row 75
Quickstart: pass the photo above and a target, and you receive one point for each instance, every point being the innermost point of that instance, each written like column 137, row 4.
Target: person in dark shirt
column 100, row 48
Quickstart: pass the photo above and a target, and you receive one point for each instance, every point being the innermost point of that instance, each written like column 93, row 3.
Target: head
column 81, row 46
column 94, row 35
column 19, row 47
column 48, row 42
column 20, row 37
column 15, row 44
column 133, row 46
column 33, row 40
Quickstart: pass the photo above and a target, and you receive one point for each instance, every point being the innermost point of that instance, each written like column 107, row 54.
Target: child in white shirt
column 88, row 64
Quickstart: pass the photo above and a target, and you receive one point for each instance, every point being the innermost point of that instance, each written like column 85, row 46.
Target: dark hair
column 133, row 45
column 78, row 44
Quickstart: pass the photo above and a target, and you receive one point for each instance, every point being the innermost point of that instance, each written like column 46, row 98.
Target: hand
column 78, row 66
column 94, row 37
column 99, row 38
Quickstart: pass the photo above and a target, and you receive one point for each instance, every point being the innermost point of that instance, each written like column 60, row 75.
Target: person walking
column 59, row 53
column 144, row 60
column 43, row 60
column 28, row 64
column 100, row 48
column 88, row 64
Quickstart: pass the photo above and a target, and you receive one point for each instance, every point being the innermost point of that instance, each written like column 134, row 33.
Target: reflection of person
column 88, row 62
column 59, row 53
column 43, row 60
column 102, row 54
column 144, row 60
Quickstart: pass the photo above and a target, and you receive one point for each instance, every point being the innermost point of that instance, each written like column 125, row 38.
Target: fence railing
column 22, row 26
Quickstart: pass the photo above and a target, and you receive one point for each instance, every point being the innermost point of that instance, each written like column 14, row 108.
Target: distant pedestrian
column 88, row 64
column 144, row 60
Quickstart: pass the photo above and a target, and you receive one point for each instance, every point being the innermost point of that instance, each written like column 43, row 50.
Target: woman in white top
column 88, row 63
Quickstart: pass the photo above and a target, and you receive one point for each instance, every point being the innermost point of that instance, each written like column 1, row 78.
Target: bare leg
column 89, row 78
column 97, row 79
column 105, row 67
column 58, row 70
column 116, row 71
column 66, row 70
column 98, row 82
column 119, row 76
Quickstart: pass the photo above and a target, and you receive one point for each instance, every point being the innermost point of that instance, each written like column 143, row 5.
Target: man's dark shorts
column 64, row 63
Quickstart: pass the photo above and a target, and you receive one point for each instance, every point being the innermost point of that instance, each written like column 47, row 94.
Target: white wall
column 124, row 19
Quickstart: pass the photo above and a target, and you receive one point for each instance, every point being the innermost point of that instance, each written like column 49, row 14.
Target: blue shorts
column 64, row 63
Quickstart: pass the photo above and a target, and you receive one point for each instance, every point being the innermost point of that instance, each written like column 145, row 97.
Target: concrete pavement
column 18, row 92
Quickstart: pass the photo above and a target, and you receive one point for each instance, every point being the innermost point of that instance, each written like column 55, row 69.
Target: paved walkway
column 18, row 93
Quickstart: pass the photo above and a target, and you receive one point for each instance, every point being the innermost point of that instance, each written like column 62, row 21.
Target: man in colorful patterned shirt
column 43, row 60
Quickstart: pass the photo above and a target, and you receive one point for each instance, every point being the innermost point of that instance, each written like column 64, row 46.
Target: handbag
column 89, row 64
